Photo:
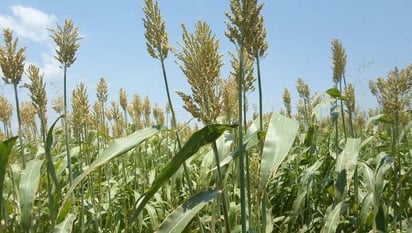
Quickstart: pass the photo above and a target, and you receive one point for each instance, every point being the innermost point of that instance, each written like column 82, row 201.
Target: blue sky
column 376, row 34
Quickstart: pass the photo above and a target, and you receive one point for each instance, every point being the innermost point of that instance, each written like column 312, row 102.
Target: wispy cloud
column 28, row 22
column 32, row 24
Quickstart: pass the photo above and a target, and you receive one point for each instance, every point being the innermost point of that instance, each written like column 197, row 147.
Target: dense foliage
column 129, row 166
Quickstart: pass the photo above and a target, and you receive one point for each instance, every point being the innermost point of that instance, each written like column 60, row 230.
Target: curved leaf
column 332, row 219
column 65, row 226
column 29, row 183
column 250, row 140
column 280, row 136
column 200, row 138
column 117, row 148
column 182, row 215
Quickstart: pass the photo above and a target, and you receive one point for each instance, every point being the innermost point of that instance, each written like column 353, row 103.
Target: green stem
column 23, row 158
column 66, row 128
column 241, row 149
column 174, row 126
column 260, row 94
column 221, row 187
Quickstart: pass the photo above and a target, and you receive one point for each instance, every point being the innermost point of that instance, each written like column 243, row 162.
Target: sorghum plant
column 102, row 94
column 37, row 89
column 286, row 103
column 123, row 104
column 5, row 115
column 80, row 111
column 28, row 120
column 67, row 41
column 12, row 64
column 135, row 110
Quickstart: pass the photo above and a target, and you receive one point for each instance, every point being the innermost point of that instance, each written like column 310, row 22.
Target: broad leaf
column 345, row 167
column 280, row 136
column 182, row 215
column 29, row 183
column 200, row 138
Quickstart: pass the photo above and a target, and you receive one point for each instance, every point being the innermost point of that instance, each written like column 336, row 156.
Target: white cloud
column 29, row 23
column 51, row 68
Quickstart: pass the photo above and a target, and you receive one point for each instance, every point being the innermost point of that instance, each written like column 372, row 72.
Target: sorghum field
column 130, row 166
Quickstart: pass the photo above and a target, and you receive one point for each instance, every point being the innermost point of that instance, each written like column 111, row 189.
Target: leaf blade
column 279, row 139
column 182, row 215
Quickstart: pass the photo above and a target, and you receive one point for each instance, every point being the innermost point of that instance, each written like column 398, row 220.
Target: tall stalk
column 158, row 48
column 67, row 41
column 241, row 149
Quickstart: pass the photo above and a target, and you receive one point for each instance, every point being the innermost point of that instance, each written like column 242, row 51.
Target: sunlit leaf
column 280, row 136
column 182, row 215
column 345, row 167
column 204, row 136
column 29, row 183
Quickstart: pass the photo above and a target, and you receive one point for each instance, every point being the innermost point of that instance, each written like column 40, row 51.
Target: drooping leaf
column 117, row 148
column 319, row 108
column 332, row 219
column 65, row 226
column 29, row 183
column 250, row 140
column 373, row 119
column 200, row 138
column 280, row 136
column 182, row 215
column 345, row 167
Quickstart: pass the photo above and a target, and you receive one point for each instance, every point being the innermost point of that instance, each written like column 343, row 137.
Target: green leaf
column 50, row 165
column 379, row 214
column 117, row 148
column 368, row 176
column 251, row 139
column 334, row 93
column 5, row 151
column 182, row 215
column 305, row 189
column 367, row 205
column 65, row 226
column 345, row 167
column 332, row 219
column 29, row 183
column 200, row 138
column 280, row 136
